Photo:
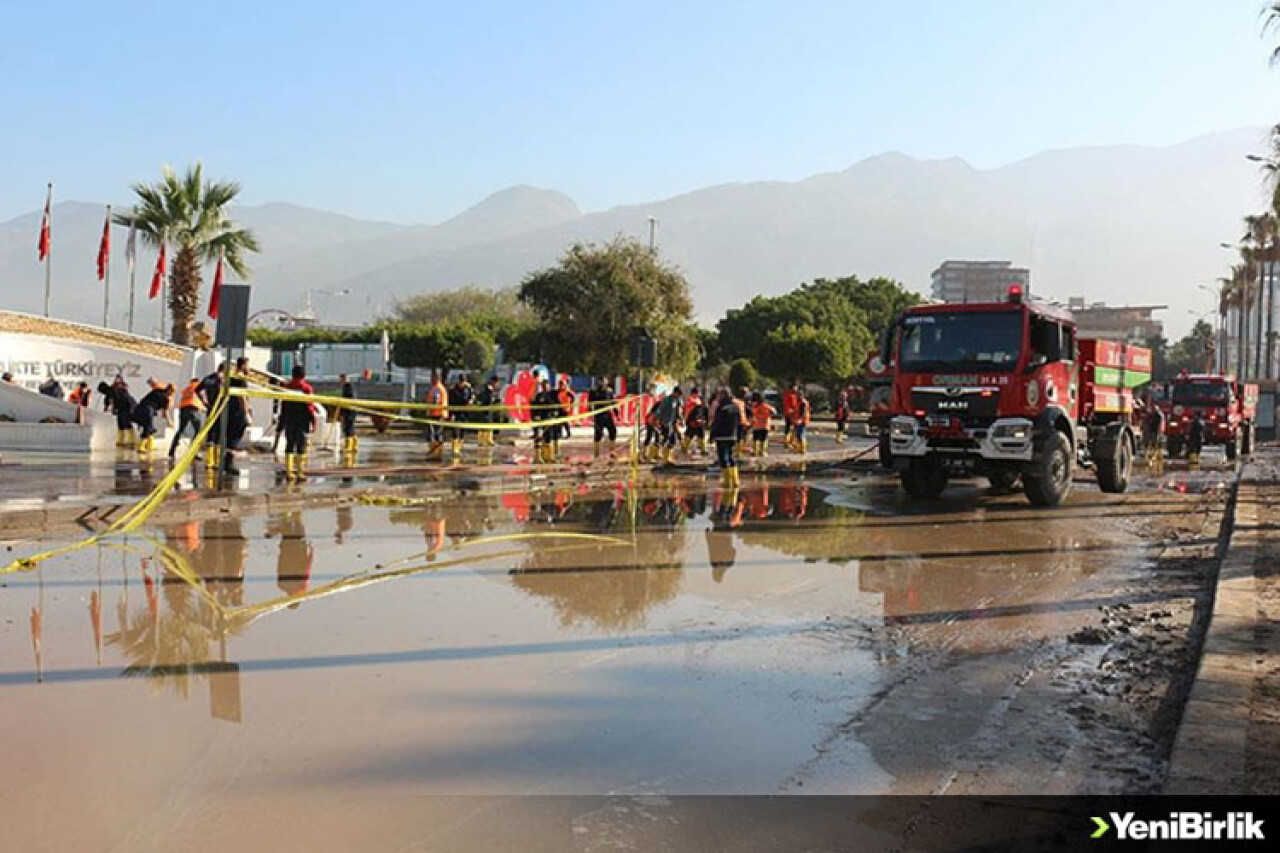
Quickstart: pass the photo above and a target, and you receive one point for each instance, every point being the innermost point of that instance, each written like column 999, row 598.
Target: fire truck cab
column 1004, row 390
column 1227, row 408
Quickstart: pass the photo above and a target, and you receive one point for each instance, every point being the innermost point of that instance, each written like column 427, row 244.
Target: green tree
column 1192, row 352
column 853, row 313
column 818, row 355
column 742, row 374
column 592, row 300
column 189, row 214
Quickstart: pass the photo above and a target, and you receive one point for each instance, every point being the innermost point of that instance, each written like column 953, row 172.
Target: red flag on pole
column 157, row 277
column 104, row 247
column 43, row 246
column 215, row 298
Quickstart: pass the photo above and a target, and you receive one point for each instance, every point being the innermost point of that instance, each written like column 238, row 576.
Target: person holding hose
column 297, row 419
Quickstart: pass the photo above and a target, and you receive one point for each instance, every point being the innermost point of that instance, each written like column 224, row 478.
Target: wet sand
column 327, row 673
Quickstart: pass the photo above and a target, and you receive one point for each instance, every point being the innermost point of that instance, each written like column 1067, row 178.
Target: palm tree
column 1260, row 240
column 190, row 214
column 1235, row 298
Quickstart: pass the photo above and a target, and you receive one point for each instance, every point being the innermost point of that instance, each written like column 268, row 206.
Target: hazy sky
column 413, row 111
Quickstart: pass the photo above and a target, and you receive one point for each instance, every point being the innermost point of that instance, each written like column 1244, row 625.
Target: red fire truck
column 1228, row 408
column 1004, row 390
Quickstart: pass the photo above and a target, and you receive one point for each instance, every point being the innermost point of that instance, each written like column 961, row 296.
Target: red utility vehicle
column 1004, row 390
column 1228, row 408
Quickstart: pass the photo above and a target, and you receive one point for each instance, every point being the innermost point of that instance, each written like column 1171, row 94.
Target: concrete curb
column 1209, row 752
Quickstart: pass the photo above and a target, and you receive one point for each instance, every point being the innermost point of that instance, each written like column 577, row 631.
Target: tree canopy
column 821, row 331
column 189, row 214
column 591, row 302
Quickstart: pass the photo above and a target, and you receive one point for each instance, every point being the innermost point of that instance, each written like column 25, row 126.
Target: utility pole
column 653, row 234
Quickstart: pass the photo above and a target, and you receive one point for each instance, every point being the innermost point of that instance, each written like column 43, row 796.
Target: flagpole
column 106, row 279
column 131, row 256
column 48, row 257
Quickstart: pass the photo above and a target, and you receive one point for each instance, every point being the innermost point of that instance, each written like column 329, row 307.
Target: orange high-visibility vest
column 189, row 398
column 438, row 398
column 760, row 415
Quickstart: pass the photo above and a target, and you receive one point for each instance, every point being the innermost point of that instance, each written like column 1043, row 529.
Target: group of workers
column 1153, row 438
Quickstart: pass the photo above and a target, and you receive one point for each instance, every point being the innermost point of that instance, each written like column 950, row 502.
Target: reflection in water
column 609, row 586
column 194, row 585
column 296, row 555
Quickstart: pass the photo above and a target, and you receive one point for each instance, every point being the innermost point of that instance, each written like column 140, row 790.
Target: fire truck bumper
column 1006, row 440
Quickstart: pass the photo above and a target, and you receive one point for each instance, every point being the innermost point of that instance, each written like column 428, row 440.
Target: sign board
column 233, row 316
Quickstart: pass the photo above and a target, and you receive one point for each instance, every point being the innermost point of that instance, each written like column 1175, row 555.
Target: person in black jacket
column 1195, row 440
column 725, row 427
column 604, row 422
column 155, row 403
column 122, row 403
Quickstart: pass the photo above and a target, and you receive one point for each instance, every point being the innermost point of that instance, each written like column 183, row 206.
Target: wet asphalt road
column 813, row 634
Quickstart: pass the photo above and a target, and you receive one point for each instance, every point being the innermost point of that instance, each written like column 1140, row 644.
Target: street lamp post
column 653, row 233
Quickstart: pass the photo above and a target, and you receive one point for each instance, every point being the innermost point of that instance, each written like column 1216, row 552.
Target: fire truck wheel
column 1048, row 479
column 1233, row 447
column 1246, row 443
column 1004, row 480
column 1113, row 473
column 886, row 455
column 924, row 479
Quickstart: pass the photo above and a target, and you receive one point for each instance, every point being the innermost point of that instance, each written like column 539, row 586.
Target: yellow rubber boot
column 684, row 445
column 290, row 465
column 803, row 447
column 702, row 446
column 302, row 466
column 726, row 479
column 671, row 456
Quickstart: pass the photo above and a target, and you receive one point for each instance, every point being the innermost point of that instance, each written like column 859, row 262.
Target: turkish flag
column 45, row 238
column 104, row 248
column 215, row 298
column 162, row 264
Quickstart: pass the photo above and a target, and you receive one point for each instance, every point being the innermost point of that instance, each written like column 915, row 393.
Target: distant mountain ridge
column 1117, row 223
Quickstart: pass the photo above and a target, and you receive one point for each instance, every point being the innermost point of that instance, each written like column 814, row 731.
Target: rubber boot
column 803, row 447
column 595, row 450
column 684, row 445
column 726, row 478
column 737, row 476
column 119, row 438
column 302, row 466
column 671, row 455
column 436, row 451
column 702, row 445
column 290, row 465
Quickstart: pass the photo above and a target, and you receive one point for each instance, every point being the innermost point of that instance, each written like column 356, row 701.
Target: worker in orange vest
column 437, row 410
column 800, row 430
column 190, row 413
column 761, row 414
column 790, row 407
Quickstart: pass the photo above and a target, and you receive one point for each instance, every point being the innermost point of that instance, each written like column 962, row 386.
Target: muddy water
column 572, row 639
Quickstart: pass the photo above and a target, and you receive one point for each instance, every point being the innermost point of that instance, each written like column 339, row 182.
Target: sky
column 413, row 111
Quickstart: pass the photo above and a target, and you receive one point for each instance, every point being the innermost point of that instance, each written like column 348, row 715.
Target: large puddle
column 569, row 639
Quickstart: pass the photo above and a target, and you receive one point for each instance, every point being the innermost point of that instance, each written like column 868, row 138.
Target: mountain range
column 1122, row 224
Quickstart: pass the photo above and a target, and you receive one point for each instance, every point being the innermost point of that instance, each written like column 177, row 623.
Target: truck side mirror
column 886, row 344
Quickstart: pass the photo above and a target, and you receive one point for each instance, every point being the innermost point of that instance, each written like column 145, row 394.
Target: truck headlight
column 1015, row 432
column 902, row 429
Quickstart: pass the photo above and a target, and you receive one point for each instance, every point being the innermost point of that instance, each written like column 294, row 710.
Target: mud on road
column 806, row 634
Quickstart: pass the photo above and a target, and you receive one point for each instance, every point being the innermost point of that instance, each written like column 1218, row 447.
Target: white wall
column 29, row 409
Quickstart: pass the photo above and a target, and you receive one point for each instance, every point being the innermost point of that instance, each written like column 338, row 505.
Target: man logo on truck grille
column 952, row 405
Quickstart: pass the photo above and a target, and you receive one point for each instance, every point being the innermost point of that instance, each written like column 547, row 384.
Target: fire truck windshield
column 968, row 340
column 1200, row 394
